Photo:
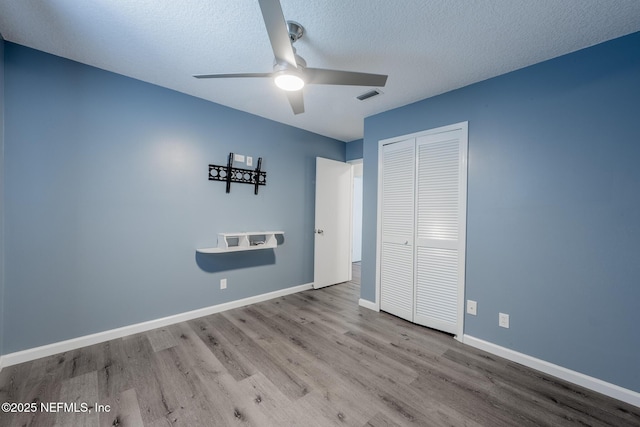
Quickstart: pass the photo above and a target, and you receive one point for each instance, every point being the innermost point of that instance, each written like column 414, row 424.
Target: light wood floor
column 308, row 359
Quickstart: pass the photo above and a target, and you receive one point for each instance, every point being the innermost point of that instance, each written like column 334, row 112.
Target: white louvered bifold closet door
column 440, row 211
column 397, row 215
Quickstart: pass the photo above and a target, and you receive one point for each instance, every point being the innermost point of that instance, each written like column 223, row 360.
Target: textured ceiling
column 427, row 47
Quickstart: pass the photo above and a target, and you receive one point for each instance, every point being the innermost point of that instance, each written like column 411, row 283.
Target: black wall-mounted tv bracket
column 229, row 174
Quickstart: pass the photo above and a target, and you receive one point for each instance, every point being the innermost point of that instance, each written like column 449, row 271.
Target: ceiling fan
column 290, row 71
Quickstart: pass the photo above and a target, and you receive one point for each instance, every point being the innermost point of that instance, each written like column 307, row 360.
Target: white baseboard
column 368, row 304
column 74, row 343
column 574, row 377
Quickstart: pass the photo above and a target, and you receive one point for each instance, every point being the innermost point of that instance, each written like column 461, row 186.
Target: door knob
column 319, row 231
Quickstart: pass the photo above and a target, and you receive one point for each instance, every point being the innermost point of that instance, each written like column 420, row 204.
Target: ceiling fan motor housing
column 279, row 66
column 295, row 30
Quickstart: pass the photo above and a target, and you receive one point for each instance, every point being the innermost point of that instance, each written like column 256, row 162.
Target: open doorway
column 356, row 237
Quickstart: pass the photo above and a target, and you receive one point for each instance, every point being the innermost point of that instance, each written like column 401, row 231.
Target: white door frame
column 463, row 208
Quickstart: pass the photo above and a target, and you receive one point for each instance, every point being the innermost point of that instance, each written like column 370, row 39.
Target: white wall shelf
column 246, row 241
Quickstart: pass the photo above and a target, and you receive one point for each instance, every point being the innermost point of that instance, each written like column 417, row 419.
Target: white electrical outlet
column 223, row 283
column 238, row 158
column 503, row 320
column 249, row 161
column 472, row 307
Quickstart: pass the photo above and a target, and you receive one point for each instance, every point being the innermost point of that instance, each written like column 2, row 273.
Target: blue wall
column 107, row 199
column 353, row 149
column 553, row 206
column 1, row 191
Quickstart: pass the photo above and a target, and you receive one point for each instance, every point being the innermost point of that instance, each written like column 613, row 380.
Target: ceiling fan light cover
column 289, row 81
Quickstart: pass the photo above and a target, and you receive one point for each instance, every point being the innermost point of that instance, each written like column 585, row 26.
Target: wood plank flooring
column 309, row 359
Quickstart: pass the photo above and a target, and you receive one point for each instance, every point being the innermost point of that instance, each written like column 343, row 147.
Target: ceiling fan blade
column 296, row 101
column 278, row 31
column 226, row 76
column 321, row 76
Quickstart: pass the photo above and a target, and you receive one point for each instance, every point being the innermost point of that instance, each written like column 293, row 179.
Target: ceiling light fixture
column 289, row 80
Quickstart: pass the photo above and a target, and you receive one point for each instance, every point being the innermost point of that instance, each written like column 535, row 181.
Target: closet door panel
column 398, row 176
column 436, row 288
column 438, row 230
column 396, row 280
column 397, row 214
column 438, row 178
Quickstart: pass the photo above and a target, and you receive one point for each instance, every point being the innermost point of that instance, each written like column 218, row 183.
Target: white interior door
column 332, row 254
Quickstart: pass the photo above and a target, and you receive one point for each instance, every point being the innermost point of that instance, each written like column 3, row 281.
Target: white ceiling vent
column 370, row 94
